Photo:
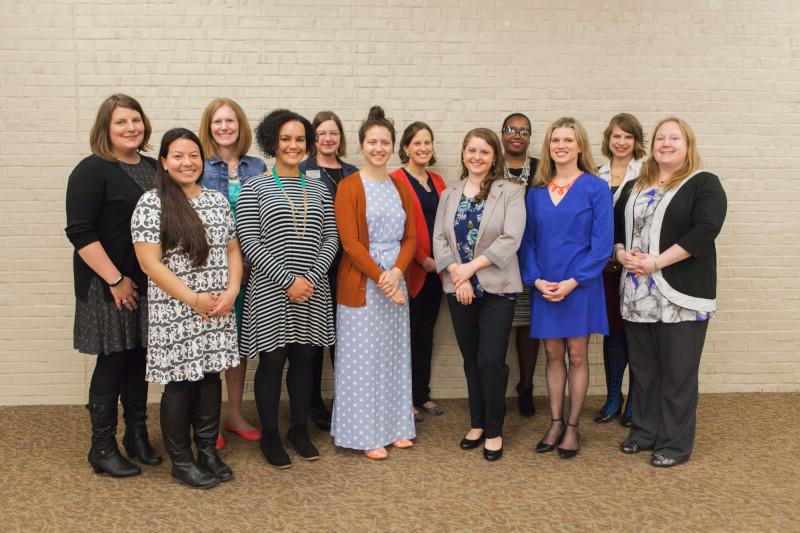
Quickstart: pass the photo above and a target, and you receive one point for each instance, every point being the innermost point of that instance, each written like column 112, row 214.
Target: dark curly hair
column 269, row 128
column 376, row 117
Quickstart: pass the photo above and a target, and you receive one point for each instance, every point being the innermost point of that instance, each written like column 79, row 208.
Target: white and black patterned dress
column 181, row 345
column 273, row 237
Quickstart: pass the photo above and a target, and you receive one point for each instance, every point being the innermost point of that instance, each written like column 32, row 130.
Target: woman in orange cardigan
column 375, row 217
column 424, row 285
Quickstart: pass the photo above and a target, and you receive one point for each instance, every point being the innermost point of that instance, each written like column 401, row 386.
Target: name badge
column 313, row 174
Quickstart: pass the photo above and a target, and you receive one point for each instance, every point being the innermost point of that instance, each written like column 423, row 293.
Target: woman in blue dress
column 567, row 242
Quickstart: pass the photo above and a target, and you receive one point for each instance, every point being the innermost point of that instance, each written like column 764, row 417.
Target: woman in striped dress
column 287, row 230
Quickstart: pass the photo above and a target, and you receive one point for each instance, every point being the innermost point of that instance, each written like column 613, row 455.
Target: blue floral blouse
column 467, row 223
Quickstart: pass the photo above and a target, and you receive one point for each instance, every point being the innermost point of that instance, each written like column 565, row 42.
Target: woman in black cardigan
column 110, row 313
column 666, row 224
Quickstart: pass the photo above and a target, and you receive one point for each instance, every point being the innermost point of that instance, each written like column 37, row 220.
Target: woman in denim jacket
column 226, row 137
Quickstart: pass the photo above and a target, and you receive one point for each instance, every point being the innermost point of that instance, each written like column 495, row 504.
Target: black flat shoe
column 320, row 417
column 492, row 455
column 605, row 416
column 544, row 447
column 470, row 444
column 662, row 461
column 631, row 446
column 566, row 453
column 625, row 421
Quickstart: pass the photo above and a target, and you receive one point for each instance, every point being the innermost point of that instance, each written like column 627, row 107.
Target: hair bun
column 376, row 113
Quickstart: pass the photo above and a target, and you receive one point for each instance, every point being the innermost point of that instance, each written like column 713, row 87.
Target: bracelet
column 196, row 298
column 655, row 263
column 116, row 282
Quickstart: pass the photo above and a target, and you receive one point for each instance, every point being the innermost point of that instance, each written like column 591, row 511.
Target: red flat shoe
column 220, row 442
column 251, row 435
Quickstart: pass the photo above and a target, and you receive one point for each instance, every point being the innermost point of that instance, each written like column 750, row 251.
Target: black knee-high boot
column 134, row 405
column 176, row 408
column 104, row 455
column 205, row 420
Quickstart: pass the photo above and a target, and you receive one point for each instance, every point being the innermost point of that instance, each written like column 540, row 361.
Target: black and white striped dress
column 272, row 237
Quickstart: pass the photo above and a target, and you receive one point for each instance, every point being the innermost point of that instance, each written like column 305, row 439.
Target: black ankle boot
column 104, row 455
column 298, row 438
column 136, row 440
column 176, row 405
column 205, row 420
column 273, row 450
column 525, row 400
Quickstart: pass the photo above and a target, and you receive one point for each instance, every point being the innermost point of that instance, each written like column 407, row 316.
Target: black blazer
column 101, row 198
column 692, row 217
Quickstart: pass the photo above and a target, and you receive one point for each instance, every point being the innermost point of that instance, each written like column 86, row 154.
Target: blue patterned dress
column 372, row 406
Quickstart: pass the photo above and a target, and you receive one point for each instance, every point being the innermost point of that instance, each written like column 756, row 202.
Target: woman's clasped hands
column 637, row 261
column 389, row 283
column 301, row 290
column 555, row 291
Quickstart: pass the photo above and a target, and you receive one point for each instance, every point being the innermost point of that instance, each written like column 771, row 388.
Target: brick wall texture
column 730, row 68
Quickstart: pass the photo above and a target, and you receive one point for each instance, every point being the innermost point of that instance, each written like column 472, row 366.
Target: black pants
column 423, row 310
column 119, row 373
column 319, row 353
column 482, row 329
column 267, row 384
column 665, row 358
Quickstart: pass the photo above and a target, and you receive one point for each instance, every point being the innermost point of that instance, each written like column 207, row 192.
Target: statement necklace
column 291, row 203
column 523, row 177
column 561, row 190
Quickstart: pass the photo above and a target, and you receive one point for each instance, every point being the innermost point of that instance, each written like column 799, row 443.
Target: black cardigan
column 311, row 164
column 692, row 218
column 101, row 198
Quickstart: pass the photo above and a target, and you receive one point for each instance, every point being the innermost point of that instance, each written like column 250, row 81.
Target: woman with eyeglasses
column 567, row 243
column 521, row 168
column 623, row 145
column 326, row 164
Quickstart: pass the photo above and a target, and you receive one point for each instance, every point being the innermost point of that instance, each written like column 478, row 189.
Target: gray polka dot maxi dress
column 372, row 406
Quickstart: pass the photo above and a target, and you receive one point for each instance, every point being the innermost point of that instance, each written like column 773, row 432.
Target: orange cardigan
column 415, row 276
column 357, row 265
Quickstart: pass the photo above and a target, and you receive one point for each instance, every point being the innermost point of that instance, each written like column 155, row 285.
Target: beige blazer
column 499, row 236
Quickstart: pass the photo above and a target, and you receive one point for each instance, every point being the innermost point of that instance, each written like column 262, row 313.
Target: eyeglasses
column 334, row 134
column 522, row 132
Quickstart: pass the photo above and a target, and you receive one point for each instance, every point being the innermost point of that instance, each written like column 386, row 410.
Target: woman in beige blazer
column 478, row 229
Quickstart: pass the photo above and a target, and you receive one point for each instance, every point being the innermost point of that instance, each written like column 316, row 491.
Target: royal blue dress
column 570, row 240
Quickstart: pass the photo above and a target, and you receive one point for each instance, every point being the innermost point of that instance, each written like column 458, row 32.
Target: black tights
column 118, row 371
column 267, row 384
column 182, row 386
column 527, row 352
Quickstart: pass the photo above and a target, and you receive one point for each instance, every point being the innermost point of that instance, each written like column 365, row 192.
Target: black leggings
column 180, row 386
column 267, row 384
column 116, row 371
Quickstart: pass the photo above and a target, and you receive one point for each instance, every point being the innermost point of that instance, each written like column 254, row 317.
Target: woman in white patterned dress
column 185, row 242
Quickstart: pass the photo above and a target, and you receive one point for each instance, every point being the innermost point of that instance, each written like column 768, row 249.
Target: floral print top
column 467, row 224
column 642, row 301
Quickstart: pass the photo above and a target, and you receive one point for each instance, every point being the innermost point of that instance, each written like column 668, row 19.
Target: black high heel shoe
column 544, row 447
column 569, row 454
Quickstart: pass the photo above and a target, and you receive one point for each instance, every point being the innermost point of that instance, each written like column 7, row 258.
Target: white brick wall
column 730, row 68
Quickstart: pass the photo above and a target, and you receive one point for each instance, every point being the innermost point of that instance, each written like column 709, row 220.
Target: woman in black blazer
column 110, row 313
column 665, row 227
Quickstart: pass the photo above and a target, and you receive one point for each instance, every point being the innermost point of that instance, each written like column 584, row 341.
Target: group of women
column 242, row 260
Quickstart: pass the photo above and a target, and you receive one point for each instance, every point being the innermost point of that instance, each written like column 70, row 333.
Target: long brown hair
column 650, row 169
column 99, row 140
column 546, row 170
column 207, row 142
column 408, row 136
column 496, row 171
column 181, row 227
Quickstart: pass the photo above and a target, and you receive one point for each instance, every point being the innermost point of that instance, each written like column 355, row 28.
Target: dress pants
column 482, row 329
column 665, row 358
column 423, row 311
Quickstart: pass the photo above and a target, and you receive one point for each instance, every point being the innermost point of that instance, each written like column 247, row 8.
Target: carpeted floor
column 743, row 476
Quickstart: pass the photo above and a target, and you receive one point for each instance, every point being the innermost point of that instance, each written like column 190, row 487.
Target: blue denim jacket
column 215, row 174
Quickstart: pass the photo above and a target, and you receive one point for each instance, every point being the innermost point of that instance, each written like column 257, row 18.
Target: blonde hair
column 547, row 168
column 99, row 141
column 651, row 170
column 210, row 146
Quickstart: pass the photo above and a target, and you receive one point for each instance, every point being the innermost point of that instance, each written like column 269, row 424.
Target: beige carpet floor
column 744, row 476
